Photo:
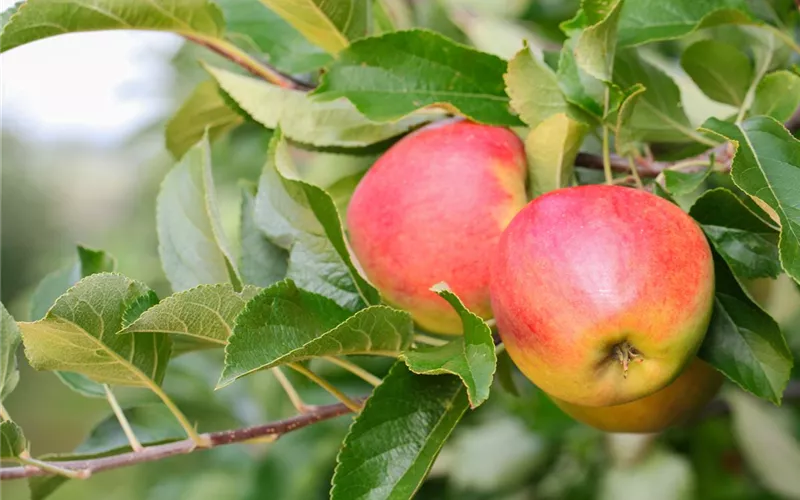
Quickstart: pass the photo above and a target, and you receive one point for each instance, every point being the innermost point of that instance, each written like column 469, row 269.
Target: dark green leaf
column 261, row 262
column 745, row 343
column 329, row 24
column 192, row 244
column 258, row 30
column 777, row 95
column 9, row 343
column 680, row 183
column 205, row 314
column 390, row 76
column 470, row 357
column 505, row 373
column 644, row 21
column 78, row 334
column 284, row 324
column 723, row 72
column 397, row 436
column 151, row 424
column 12, row 441
column 38, row 19
column 533, row 88
column 747, row 243
column 551, row 149
column 204, row 109
column 767, row 167
column 657, row 114
column 335, row 123
column 302, row 217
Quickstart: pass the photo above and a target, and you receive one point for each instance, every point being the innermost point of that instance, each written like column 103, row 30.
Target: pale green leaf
column 205, row 313
column 551, row 149
column 533, row 88
column 79, row 334
column 329, row 24
column 38, row 19
column 471, row 357
column 335, row 123
column 302, row 218
column 626, row 136
column 390, row 76
column 205, row 109
column 284, row 324
column 596, row 45
column 767, row 167
column 192, row 244
column 261, row 262
column 777, row 95
column 395, row 439
column 9, row 342
column 12, row 441
column 768, row 445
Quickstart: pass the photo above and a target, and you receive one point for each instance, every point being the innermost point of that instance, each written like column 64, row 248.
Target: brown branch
column 158, row 452
column 255, row 67
column 647, row 167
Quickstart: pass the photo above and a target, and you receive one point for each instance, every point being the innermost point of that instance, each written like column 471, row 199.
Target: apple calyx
column 624, row 352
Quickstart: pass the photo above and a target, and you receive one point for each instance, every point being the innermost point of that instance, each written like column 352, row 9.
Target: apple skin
column 587, row 277
column 432, row 209
column 674, row 404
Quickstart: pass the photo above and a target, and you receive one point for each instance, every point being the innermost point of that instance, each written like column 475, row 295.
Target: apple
column 602, row 294
column 674, row 404
column 432, row 209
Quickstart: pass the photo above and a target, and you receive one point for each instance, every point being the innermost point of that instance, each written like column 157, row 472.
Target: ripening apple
column 432, row 209
column 674, row 404
column 602, row 294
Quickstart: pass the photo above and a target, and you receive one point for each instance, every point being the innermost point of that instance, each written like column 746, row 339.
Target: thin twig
column 123, row 421
column 332, row 390
column 290, row 391
column 158, row 452
column 355, row 370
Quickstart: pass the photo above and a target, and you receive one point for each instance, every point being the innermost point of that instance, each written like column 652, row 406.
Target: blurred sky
column 92, row 87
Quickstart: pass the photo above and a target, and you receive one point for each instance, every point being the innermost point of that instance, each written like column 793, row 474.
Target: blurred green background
column 82, row 157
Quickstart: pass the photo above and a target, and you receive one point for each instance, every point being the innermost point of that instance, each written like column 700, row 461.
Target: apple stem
column 625, row 352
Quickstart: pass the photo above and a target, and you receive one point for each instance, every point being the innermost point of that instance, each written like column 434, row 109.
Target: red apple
column 672, row 405
column 432, row 209
column 602, row 294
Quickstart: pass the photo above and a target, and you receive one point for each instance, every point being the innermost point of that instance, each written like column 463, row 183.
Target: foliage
column 334, row 83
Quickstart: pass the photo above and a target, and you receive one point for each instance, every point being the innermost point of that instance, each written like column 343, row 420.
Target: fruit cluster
column 602, row 294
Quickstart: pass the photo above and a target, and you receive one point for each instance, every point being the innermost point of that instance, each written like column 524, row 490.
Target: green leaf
column 302, row 217
column 533, row 88
column 644, row 21
column 551, row 149
column 656, row 114
column 205, row 314
column 579, row 88
column 258, row 30
column 746, row 242
column 284, row 324
column 81, row 384
column 681, row 183
column 192, row 244
column 89, row 262
column 335, row 123
column 505, row 373
column 723, row 72
column 261, row 262
column 777, row 95
column 767, row 167
column 12, row 441
column 768, row 445
column 395, row 439
column 626, row 136
column 596, row 45
column 78, row 334
column 390, row 76
column 745, row 343
column 38, row 19
column 9, row 342
column 471, row 357
column 329, row 24
column 204, row 109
